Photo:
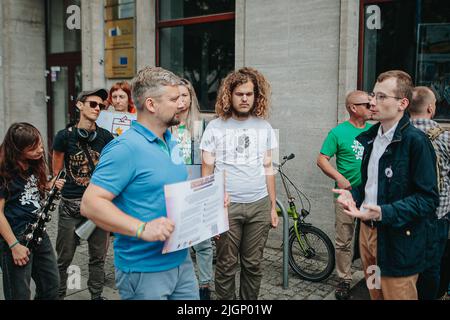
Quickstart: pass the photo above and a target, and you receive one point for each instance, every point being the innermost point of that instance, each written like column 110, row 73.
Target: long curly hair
column 20, row 137
column 262, row 92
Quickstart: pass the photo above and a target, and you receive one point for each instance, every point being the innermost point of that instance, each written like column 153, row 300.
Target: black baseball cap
column 102, row 93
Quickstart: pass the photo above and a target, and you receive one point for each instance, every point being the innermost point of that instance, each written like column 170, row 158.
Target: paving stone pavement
column 271, row 285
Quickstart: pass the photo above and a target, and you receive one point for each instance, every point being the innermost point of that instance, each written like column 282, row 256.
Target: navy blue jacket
column 407, row 194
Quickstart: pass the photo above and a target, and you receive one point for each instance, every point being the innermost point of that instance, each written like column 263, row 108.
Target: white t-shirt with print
column 239, row 148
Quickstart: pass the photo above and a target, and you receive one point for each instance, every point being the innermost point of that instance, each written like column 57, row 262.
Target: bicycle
column 311, row 252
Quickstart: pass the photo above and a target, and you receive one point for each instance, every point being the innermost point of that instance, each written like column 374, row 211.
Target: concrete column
column 92, row 43
column 239, row 42
column 145, row 33
column 348, row 54
column 22, row 47
column 2, row 95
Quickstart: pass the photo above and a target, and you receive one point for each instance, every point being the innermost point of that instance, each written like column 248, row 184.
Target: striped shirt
column 442, row 148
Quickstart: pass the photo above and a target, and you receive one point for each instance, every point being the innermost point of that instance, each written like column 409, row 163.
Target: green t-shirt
column 342, row 143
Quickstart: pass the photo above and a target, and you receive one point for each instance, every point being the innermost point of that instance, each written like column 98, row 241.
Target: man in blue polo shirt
column 126, row 195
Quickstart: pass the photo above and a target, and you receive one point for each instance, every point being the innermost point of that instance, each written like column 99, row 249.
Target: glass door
column 63, row 42
column 60, row 95
column 64, row 84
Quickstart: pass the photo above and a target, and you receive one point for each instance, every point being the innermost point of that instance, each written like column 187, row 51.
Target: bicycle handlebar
column 285, row 159
column 289, row 157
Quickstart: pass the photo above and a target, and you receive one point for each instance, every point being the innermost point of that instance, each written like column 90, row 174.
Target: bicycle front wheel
column 311, row 255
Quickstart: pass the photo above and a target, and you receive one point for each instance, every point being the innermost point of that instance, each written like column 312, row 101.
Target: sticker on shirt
column 30, row 194
column 388, row 172
column 358, row 149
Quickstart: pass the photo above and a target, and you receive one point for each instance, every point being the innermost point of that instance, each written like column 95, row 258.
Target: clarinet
column 34, row 232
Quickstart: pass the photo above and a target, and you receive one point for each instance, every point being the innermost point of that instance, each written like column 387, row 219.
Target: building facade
column 312, row 51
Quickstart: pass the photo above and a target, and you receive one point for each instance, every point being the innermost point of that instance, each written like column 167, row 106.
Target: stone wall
column 22, row 68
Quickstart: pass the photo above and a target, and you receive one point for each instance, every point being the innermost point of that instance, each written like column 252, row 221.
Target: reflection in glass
column 122, row 11
column 433, row 63
column 60, row 38
column 60, row 96
column 414, row 37
column 392, row 46
column 176, row 9
column 202, row 53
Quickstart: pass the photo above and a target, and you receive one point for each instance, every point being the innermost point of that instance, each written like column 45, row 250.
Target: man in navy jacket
column 398, row 194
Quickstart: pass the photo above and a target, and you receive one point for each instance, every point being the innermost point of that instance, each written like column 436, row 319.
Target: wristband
column 140, row 230
column 14, row 244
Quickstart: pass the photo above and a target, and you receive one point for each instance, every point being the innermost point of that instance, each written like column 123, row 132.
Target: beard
column 173, row 122
column 241, row 114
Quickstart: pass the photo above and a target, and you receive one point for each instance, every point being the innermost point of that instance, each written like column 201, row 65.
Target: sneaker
column 343, row 291
column 99, row 298
column 205, row 293
column 445, row 297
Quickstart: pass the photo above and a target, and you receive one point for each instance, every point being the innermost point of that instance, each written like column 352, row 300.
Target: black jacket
column 407, row 194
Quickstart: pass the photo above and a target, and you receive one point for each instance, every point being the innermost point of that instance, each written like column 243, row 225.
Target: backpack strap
column 432, row 134
column 435, row 132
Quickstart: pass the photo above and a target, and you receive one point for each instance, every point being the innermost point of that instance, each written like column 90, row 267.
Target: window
column 195, row 40
column 119, row 9
column 409, row 35
column 60, row 38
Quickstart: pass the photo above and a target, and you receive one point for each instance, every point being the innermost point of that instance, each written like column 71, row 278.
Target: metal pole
column 285, row 244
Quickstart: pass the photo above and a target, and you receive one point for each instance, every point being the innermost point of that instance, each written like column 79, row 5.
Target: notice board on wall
column 120, row 47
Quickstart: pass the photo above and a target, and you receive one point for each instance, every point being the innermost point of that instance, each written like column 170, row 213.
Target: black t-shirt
column 22, row 202
column 75, row 161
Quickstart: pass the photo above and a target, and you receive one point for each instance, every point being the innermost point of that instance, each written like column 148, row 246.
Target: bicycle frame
column 292, row 211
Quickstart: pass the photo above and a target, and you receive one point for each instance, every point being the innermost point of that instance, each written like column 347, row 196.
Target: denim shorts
column 179, row 283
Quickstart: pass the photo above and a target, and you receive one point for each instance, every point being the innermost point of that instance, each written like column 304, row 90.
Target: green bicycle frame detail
column 299, row 235
column 292, row 212
column 300, row 231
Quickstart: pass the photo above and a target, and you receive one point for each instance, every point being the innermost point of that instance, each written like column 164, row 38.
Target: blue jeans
column 204, row 258
column 41, row 267
column 178, row 283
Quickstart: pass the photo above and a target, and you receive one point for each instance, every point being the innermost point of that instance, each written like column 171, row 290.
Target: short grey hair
column 149, row 82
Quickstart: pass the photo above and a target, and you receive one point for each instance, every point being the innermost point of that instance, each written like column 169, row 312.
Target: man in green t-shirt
column 342, row 143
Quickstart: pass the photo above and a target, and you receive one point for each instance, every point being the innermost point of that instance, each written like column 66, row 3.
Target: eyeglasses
column 380, row 96
column 94, row 104
column 365, row 104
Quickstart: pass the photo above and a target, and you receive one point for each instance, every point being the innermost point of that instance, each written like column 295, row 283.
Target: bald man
column 422, row 110
column 341, row 143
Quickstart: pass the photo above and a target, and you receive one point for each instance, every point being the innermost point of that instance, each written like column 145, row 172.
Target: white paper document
column 115, row 122
column 197, row 209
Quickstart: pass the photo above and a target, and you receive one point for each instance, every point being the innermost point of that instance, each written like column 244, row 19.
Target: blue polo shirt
column 135, row 168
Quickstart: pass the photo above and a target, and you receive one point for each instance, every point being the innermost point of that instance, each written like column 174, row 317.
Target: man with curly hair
column 241, row 142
